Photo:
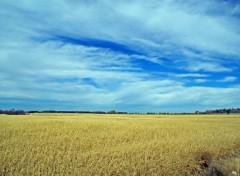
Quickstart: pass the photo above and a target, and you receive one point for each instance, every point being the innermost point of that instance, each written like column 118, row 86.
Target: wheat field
column 91, row 144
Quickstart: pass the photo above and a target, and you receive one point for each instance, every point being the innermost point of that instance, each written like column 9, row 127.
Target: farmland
column 93, row 144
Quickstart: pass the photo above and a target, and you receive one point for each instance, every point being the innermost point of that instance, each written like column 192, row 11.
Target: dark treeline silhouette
column 80, row 112
column 220, row 111
column 13, row 112
column 216, row 111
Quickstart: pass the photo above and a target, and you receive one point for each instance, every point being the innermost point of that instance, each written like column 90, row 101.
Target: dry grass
column 73, row 144
column 229, row 166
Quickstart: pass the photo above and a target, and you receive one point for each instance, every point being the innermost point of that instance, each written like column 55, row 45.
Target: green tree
column 112, row 112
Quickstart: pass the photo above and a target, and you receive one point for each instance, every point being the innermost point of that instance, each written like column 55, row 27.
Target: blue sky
column 136, row 56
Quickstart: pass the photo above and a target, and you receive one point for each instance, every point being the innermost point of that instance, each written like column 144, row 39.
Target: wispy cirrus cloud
column 208, row 66
column 194, row 75
column 228, row 79
column 200, row 80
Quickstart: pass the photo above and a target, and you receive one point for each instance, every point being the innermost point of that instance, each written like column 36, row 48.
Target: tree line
column 216, row 111
column 13, row 112
column 80, row 112
column 220, row 111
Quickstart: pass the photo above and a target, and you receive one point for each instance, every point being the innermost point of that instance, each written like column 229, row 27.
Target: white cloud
column 163, row 25
column 201, row 80
column 207, row 66
column 186, row 75
column 229, row 79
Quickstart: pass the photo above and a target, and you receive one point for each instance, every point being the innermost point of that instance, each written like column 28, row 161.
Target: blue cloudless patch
column 91, row 42
column 90, row 81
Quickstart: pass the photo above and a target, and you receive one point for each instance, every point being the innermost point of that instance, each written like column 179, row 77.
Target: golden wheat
column 87, row 144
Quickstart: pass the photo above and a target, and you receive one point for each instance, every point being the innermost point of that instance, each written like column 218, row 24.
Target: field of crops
column 87, row 144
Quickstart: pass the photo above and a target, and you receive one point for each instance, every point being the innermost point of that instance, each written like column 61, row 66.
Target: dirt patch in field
column 227, row 166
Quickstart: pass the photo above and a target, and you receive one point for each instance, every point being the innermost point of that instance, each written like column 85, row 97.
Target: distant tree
column 228, row 111
column 13, row 112
column 112, row 112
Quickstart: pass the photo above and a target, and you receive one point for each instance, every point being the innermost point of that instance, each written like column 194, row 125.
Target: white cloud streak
column 229, row 79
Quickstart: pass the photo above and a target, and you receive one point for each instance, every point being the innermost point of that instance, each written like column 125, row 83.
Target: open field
column 87, row 144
